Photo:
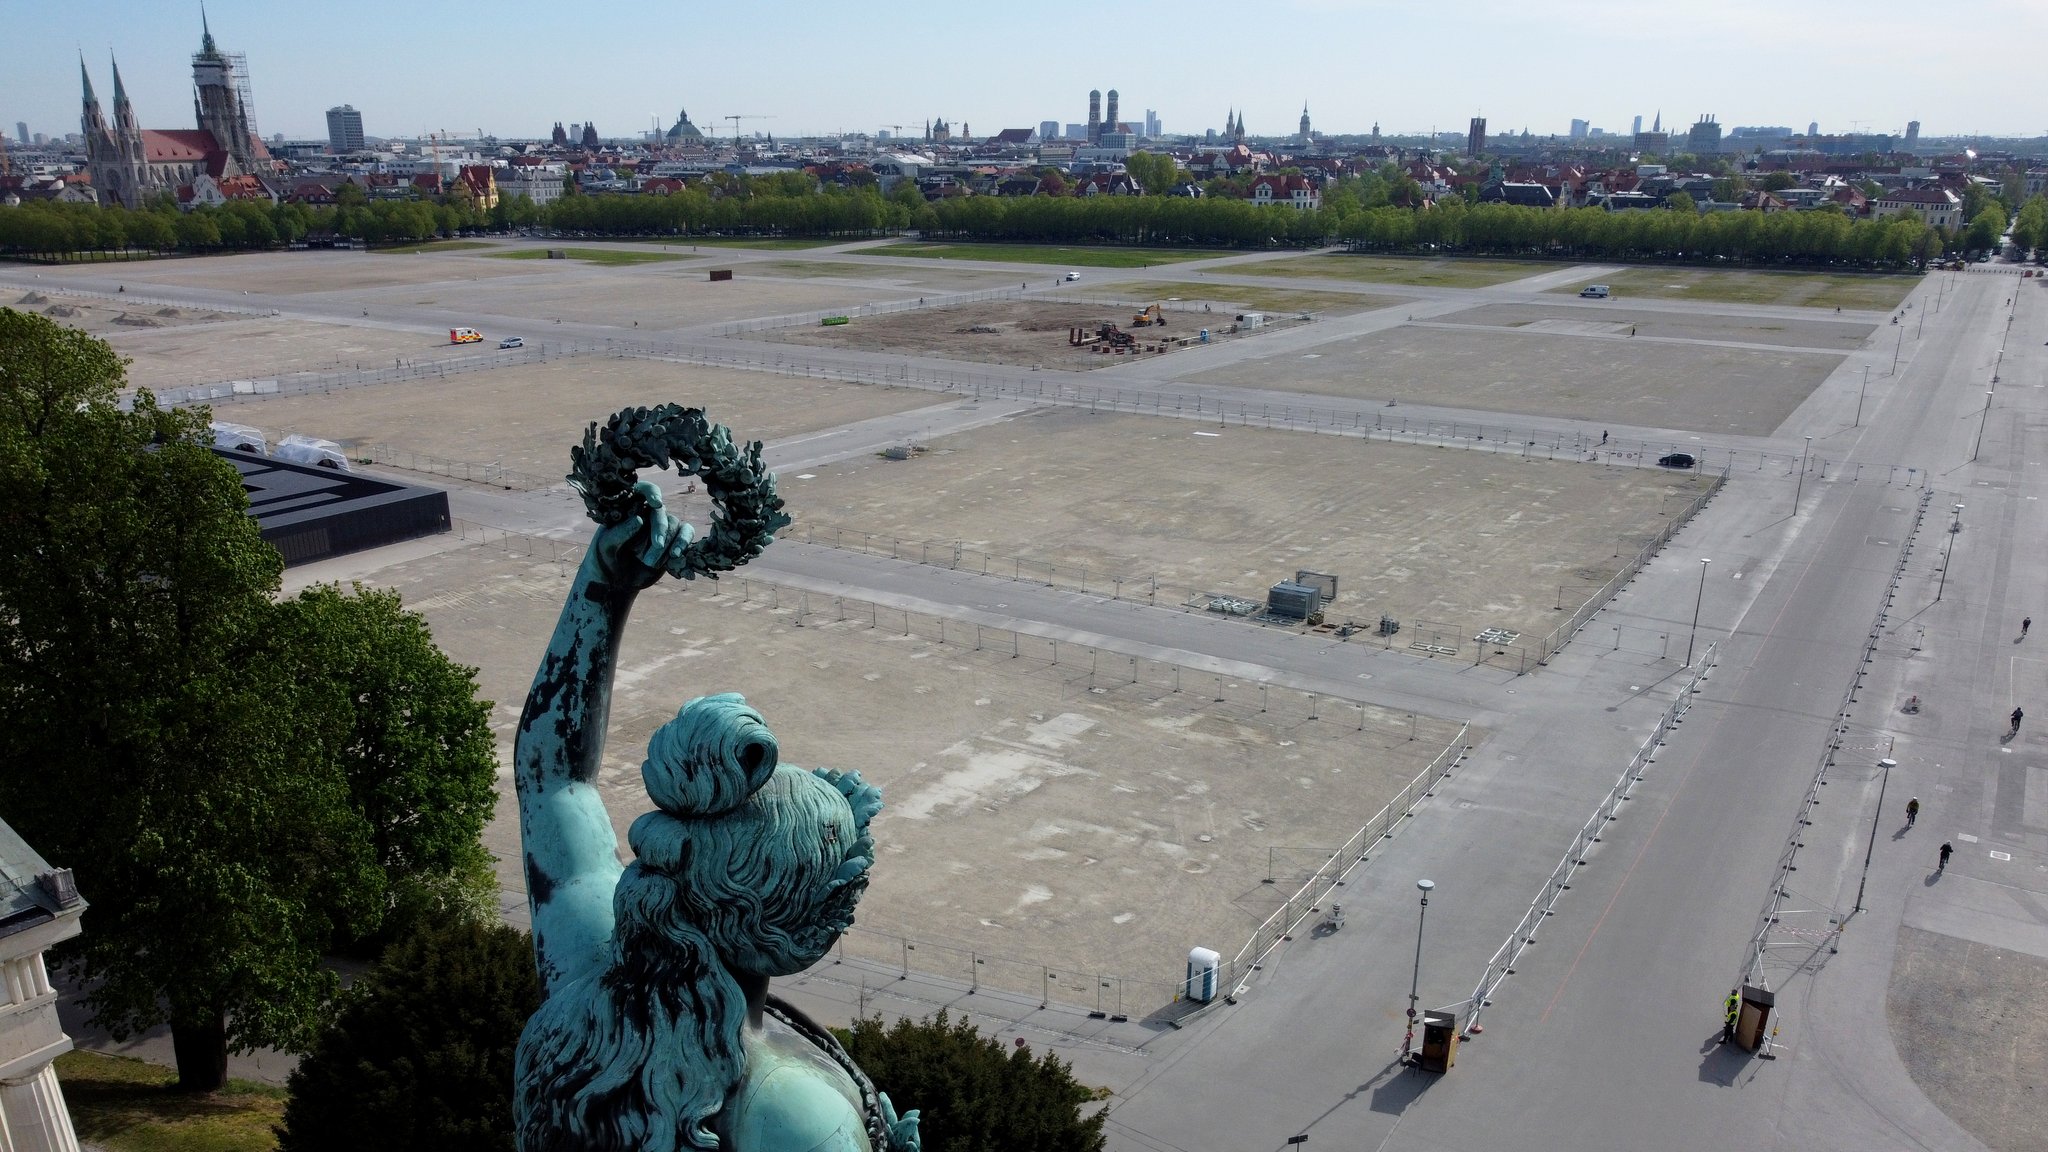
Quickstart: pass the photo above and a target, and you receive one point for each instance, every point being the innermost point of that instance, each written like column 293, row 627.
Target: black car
column 1676, row 460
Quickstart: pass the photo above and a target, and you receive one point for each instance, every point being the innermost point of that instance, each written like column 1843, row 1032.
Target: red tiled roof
column 177, row 145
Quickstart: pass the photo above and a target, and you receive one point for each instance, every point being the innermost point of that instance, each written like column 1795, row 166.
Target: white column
column 36, row 1120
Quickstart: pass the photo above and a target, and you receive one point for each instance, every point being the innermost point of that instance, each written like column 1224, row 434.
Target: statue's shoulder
column 794, row 1100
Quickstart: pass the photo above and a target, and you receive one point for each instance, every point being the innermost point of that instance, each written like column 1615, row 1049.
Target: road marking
column 2001, row 855
column 1966, row 838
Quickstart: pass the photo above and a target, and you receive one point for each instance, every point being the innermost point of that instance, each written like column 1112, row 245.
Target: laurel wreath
column 745, row 509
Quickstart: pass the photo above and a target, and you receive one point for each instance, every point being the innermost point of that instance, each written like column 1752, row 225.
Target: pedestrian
column 2017, row 714
column 2025, row 624
column 1947, row 849
column 1603, row 437
column 1912, row 811
column 1729, row 1014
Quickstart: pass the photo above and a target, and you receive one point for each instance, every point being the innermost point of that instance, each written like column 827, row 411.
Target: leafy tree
column 975, row 1095
column 1155, row 172
column 1681, row 202
column 133, row 585
column 1778, row 181
column 421, row 1051
column 403, row 723
column 222, row 757
column 1985, row 228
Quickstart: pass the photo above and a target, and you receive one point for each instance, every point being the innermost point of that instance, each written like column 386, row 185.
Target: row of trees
column 1381, row 211
column 244, row 784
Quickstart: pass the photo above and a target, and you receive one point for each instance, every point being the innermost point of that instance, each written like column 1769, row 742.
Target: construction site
column 1031, row 332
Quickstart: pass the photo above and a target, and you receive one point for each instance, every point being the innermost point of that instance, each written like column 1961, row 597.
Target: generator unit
column 1292, row 601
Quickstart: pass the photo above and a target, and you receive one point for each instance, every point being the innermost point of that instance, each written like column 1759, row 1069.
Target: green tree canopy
column 974, row 1094
column 221, row 772
column 421, row 1052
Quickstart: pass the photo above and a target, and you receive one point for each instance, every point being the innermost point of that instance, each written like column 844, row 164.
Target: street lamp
column 1696, row 601
column 1948, row 552
column 1801, row 485
column 1414, row 983
column 1981, row 421
column 1887, row 764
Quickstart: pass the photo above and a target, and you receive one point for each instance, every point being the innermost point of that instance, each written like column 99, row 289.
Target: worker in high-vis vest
column 1734, row 1009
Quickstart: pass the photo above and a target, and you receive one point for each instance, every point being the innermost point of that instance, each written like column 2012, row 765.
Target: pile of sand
column 62, row 311
column 34, row 298
column 138, row 321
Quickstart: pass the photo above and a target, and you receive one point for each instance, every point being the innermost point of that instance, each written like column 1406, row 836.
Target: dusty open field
column 1470, row 539
column 106, row 319
column 291, row 273
column 1816, row 333
column 1800, row 289
column 524, row 418
column 936, row 279
column 1398, row 269
column 1018, row 332
column 656, row 296
column 1972, row 1031
column 1029, row 819
column 271, row 346
column 1233, row 298
column 1598, row 379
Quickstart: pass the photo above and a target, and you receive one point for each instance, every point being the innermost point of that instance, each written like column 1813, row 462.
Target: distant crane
column 896, row 128
column 736, row 123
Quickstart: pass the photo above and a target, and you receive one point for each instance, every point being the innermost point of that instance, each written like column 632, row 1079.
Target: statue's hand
column 903, row 1135
column 633, row 553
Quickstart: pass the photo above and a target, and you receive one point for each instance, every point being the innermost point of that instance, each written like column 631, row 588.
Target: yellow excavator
column 1148, row 318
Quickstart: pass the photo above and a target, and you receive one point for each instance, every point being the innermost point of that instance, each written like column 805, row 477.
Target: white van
column 1594, row 292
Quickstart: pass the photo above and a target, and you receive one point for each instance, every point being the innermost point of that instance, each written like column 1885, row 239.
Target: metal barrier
column 1305, row 901
column 1502, row 963
column 1773, row 931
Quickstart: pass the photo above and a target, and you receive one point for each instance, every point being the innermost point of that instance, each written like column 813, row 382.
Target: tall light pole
column 1801, row 485
column 1950, row 551
column 1415, row 982
column 1981, row 421
column 1887, row 764
column 1696, row 601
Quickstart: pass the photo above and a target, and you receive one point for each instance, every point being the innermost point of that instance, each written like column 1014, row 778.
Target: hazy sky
column 514, row 67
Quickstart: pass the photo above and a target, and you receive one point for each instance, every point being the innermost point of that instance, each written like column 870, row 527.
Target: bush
column 420, row 1054
column 974, row 1094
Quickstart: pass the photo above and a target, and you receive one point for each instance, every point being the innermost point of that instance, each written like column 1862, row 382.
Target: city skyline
column 1744, row 61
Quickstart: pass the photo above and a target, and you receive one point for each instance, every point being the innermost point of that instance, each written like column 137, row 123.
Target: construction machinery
column 1148, row 318
column 1106, row 334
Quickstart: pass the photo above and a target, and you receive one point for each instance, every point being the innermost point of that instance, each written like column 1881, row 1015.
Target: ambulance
column 465, row 336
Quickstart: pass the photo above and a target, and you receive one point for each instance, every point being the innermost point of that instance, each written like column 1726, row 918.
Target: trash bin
column 1439, row 1042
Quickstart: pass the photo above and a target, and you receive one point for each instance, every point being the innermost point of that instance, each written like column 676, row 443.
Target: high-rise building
column 1813, row 127
column 1152, row 124
column 1475, row 136
column 1580, row 129
column 344, row 130
column 21, row 131
column 1912, row 133
column 1049, row 130
column 1094, row 114
column 1077, row 132
column 1109, row 120
column 1705, row 137
column 1637, row 127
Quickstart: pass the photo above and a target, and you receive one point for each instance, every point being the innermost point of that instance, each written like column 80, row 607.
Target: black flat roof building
column 309, row 513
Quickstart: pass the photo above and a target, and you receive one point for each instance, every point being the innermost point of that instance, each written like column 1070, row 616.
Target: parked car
column 1676, row 460
column 511, row 342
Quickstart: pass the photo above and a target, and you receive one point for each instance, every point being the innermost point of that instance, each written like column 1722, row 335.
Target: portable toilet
column 1203, row 967
column 1205, row 335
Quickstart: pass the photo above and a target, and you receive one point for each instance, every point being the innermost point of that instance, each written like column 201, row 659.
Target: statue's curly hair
column 748, row 865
